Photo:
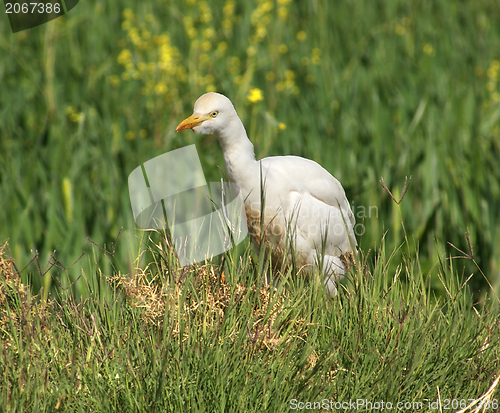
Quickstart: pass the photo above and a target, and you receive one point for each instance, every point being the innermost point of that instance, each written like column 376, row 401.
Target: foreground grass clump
column 196, row 339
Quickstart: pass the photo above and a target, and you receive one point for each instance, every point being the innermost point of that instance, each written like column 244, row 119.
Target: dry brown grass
column 11, row 282
column 18, row 307
column 204, row 304
column 197, row 298
column 13, row 293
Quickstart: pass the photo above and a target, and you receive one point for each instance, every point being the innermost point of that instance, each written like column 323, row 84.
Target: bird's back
column 303, row 204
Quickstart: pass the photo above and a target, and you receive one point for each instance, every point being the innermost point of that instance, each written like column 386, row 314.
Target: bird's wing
column 292, row 180
column 293, row 173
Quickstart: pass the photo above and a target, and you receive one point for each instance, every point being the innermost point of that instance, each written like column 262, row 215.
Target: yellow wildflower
column 228, row 11
column 428, row 49
column 128, row 14
column 206, row 45
column 126, row 25
column 114, row 80
column 255, row 95
column 206, row 13
column 301, row 36
column 282, row 48
column 234, row 65
column 400, row 30
column 221, row 48
column 209, row 79
column 160, row 88
column 208, row 33
column 260, row 33
column 494, row 69
column 73, row 115
column 282, row 13
column 124, row 57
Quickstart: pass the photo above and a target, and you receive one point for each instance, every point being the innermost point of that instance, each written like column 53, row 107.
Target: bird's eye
column 214, row 113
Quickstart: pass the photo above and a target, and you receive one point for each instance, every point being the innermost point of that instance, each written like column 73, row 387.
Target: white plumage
column 306, row 213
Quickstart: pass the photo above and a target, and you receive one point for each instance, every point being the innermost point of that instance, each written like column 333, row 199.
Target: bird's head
column 212, row 112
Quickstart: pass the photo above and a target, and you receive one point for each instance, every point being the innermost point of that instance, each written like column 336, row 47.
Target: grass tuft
column 216, row 337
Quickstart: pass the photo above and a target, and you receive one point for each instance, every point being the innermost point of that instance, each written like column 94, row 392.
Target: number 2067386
column 32, row 8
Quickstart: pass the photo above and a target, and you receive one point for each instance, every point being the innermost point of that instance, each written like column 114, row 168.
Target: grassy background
column 369, row 89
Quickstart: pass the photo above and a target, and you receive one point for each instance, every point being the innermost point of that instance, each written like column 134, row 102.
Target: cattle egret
column 307, row 220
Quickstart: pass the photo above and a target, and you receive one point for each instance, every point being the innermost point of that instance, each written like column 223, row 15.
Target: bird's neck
column 239, row 155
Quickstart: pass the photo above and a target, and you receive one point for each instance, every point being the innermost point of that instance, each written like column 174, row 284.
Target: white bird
column 307, row 219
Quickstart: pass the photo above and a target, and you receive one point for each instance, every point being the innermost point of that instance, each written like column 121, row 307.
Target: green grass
column 369, row 89
column 168, row 339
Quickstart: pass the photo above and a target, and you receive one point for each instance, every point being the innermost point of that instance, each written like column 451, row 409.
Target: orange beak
column 194, row 120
